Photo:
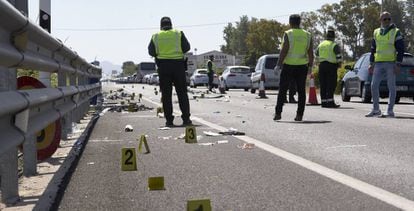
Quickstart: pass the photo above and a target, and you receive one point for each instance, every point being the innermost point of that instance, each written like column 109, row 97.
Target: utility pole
column 44, row 22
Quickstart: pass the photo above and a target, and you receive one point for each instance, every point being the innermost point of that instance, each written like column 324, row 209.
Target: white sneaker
column 373, row 113
column 387, row 115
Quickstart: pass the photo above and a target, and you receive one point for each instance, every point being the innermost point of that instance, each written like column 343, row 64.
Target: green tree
column 128, row 68
column 264, row 37
column 235, row 37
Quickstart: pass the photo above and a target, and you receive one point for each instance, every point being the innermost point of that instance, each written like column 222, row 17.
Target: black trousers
column 171, row 72
column 327, row 79
column 210, row 80
column 297, row 74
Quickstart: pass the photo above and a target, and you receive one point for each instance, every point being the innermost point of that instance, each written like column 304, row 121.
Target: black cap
column 166, row 22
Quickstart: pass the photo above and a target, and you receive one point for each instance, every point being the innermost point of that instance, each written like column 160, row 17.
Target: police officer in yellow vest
column 168, row 47
column 329, row 57
column 387, row 51
column 296, row 56
column 210, row 72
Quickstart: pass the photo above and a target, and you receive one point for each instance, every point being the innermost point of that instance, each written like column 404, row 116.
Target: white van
column 265, row 65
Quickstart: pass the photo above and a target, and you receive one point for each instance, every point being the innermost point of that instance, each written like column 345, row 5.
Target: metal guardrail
column 23, row 113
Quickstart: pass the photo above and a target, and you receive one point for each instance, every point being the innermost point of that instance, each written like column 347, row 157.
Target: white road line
column 346, row 146
column 371, row 190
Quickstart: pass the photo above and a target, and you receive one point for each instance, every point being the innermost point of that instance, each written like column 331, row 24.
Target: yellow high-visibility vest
column 299, row 42
column 168, row 44
column 385, row 47
column 213, row 66
column 326, row 51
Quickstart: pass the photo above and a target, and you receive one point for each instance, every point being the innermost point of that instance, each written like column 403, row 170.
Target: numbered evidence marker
column 143, row 140
column 129, row 159
column 199, row 205
column 156, row 183
column 190, row 135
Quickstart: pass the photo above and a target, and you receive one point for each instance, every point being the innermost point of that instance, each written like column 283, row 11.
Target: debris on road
column 210, row 133
column 129, row 128
column 246, row 146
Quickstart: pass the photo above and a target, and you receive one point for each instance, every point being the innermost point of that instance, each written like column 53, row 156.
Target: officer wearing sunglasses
column 387, row 50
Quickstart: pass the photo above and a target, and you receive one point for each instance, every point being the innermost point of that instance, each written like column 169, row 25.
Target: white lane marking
column 371, row 190
column 346, row 146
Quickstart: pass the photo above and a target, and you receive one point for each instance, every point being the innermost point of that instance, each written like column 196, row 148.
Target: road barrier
column 24, row 113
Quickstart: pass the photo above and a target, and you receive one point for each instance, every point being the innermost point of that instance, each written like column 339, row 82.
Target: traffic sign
column 48, row 139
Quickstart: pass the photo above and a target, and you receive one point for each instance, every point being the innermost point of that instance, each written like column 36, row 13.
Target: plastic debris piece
column 206, row 144
column 90, row 163
column 210, row 133
column 164, row 128
column 129, row 128
column 247, row 146
column 222, row 142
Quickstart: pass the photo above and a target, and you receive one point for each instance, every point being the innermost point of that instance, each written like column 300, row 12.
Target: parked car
column 357, row 81
column 200, row 78
column 146, row 78
column 265, row 66
column 237, row 77
column 153, row 79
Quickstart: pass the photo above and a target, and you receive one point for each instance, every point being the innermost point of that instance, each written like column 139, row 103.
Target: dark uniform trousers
column 327, row 80
column 210, row 80
column 297, row 74
column 172, row 72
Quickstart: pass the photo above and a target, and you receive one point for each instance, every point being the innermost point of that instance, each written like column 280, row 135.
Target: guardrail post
column 29, row 156
column 73, row 113
column 65, row 120
column 8, row 161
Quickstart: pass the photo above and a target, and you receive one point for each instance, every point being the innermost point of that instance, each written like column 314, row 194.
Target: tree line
column 353, row 20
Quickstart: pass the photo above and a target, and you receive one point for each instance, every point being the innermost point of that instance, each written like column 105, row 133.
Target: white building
column 221, row 60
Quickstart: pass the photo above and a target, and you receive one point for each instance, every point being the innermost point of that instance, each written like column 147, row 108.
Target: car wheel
column 345, row 97
column 252, row 90
column 366, row 95
column 246, row 89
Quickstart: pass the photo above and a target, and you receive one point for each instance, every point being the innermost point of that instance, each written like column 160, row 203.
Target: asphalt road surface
column 336, row 159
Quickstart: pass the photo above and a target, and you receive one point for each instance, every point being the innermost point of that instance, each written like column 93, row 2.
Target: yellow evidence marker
column 190, row 135
column 143, row 140
column 156, row 183
column 129, row 159
column 199, row 205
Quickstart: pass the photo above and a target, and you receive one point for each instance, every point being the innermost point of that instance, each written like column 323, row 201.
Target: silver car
column 237, row 77
column 265, row 68
column 200, row 78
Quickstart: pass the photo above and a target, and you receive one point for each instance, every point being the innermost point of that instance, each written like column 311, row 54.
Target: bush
column 341, row 72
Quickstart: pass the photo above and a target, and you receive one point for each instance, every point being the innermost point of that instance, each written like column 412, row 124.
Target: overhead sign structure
column 48, row 139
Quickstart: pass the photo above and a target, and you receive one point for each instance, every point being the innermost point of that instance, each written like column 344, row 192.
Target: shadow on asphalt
column 404, row 117
column 305, row 122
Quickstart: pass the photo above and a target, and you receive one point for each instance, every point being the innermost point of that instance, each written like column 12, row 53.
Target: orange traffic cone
column 262, row 92
column 221, row 88
column 313, row 100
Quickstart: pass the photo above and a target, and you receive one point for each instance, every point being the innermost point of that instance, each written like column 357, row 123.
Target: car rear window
column 202, row 72
column 408, row 61
column 270, row 63
column 240, row 70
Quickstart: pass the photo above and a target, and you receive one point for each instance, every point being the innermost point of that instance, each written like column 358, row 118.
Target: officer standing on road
column 329, row 57
column 168, row 47
column 387, row 51
column 297, row 59
column 210, row 72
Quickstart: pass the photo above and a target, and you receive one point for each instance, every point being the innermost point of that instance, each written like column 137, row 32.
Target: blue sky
column 129, row 24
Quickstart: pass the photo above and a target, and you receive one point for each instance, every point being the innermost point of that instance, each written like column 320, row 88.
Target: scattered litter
column 90, row 163
column 233, row 132
column 165, row 138
column 129, row 128
column 164, row 128
column 239, row 116
column 243, row 121
column 222, row 142
column 210, row 133
column 216, row 112
column 106, row 110
column 182, row 136
column 246, row 146
column 206, row 144
column 199, row 137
